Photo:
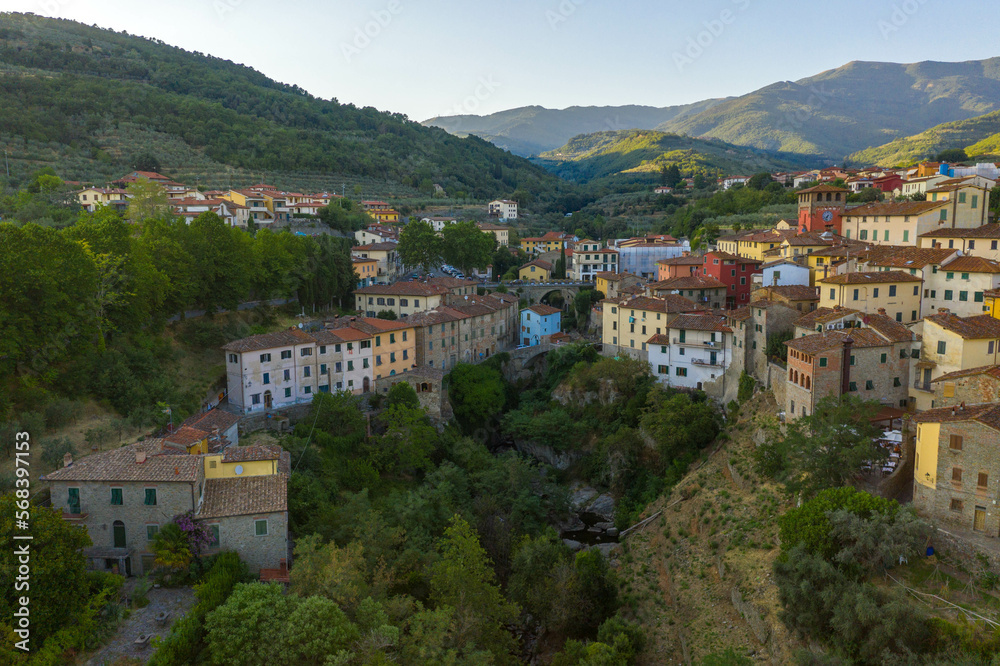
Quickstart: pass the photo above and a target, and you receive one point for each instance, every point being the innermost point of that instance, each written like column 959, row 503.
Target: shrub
column 61, row 412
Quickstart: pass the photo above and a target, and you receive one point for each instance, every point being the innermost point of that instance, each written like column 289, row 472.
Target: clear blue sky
column 429, row 58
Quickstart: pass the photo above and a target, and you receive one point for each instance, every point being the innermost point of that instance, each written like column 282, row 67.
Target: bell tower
column 821, row 208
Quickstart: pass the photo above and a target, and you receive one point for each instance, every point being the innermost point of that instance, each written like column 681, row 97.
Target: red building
column 683, row 266
column 889, row 182
column 821, row 208
column 733, row 271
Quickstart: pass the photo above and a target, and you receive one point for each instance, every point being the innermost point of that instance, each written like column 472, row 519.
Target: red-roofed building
column 735, row 272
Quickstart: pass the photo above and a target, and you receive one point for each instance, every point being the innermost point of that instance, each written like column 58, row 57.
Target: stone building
column 956, row 477
column 951, row 344
column 630, row 321
column 767, row 318
column 124, row 496
column 871, row 361
column 428, row 382
column 973, row 386
column 469, row 329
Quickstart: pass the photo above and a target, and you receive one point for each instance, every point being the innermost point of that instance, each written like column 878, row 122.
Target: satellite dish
column 239, row 470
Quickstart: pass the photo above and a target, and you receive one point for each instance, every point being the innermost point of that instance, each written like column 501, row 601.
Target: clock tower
column 821, row 208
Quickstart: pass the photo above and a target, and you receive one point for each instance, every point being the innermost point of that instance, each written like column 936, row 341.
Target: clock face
column 827, row 216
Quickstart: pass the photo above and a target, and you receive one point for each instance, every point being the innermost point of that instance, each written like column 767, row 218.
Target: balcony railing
column 923, row 386
column 715, row 364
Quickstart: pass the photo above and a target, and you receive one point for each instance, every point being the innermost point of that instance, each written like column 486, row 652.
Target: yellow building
column 243, row 461
column 981, row 241
column 629, row 321
column 395, row 347
column 384, row 253
column 93, row 197
column 993, row 303
column 895, row 292
column 903, row 222
column 754, row 245
column 535, row 271
column 385, row 216
column 553, row 241
column 951, row 344
column 501, row 233
column 366, row 269
column 254, row 201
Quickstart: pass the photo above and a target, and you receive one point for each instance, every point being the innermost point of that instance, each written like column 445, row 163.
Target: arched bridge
column 535, row 292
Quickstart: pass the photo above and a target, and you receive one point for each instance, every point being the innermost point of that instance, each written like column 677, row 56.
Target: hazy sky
column 425, row 58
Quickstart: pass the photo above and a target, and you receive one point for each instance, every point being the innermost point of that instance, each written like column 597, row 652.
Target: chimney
column 140, row 457
column 961, row 407
column 944, row 311
column 176, row 471
column 954, row 410
column 68, row 459
column 881, row 311
column 845, row 366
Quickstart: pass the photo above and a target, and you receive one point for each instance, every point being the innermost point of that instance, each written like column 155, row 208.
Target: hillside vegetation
column 979, row 137
column 847, row 109
column 530, row 130
column 639, row 155
column 76, row 89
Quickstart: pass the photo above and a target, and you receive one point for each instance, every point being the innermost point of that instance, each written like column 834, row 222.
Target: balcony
column 709, row 363
column 923, row 386
column 74, row 517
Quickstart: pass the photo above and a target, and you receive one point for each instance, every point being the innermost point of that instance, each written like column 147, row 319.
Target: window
column 116, row 497
column 875, row 292
column 322, row 349
column 151, row 531
column 949, row 295
column 822, row 361
column 955, row 443
column 853, row 359
column 288, row 392
column 233, row 358
column 944, row 214
column 869, row 385
column 378, row 341
column 956, row 505
column 307, row 371
column 307, row 351
column 392, row 338
column 956, row 474
column 260, row 527
column 150, row 499
column 265, row 358
column 853, row 386
column 322, row 368
column 307, row 389
column 73, row 500
column 991, row 346
column 963, row 296
column 892, row 290
column 255, row 399
column 978, row 297
column 682, row 372
column 286, row 354
column 895, row 382
column 983, row 479
column 833, row 294
column 350, row 366
column 942, row 347
column 214, row 543
column 662, row 370
column 287, row 375
column 403, row 302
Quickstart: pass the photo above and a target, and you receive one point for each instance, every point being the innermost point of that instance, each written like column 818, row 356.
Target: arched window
column 808, row 383
column 118, row 532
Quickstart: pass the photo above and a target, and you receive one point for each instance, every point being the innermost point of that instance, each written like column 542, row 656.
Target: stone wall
column 263, row 420
column 95, row 501
column 259, row 552
column 777, row 381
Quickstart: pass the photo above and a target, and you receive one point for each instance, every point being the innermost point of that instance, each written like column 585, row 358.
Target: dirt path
column 177, row 602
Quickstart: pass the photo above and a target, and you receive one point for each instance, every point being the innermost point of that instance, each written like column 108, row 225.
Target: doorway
column 979, row 521
column 118, row 530
column 267, row 400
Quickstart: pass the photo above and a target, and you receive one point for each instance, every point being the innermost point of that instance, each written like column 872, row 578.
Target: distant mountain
column 531, row 130
column 636, row 156
column 847, row 109
column 979, row 137
column 87, row 101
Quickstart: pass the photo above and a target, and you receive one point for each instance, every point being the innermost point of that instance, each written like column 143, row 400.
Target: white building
column 504, row 209
column 439, row 223
column 590, row 258
column 781, row 273
column 694, row 350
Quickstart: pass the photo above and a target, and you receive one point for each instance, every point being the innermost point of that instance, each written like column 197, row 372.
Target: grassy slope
column 68, row 86
column 979, row 136
column 849, row 108
column 638, row 154
column 713, row 536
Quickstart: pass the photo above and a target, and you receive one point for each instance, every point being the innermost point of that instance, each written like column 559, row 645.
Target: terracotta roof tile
column 971, row 265
column 544, row 265
column 985, row 231
column 700, row 322
column 793, row 292
column 120, row 465
column 543, row 310
column 991, row 370
column 213, row 418
column 286, row 338
column 687, row 282
column 895, row 208
column 404, row 289
column 820, row 342
column 888, row 327
column 979, row 327
column 823, row 315
column 871, row 277
column 682, row 261
column 249, row 453
column 244, row 496
column 988, row 414
column 905, row 256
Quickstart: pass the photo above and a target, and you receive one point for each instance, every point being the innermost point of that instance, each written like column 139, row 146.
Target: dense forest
column 57, row 77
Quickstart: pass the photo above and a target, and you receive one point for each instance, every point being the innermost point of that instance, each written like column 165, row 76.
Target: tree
column 463, row 580
column 419, row 245
column 339, row 574
column 402, row 395
column 318, row 631
column 466, row 247
column 809, row 525
column 248, row 629
column 56, row 555
column 952, row 155
column 388, row 315
column 670, row 176
column 476, row 393
column 700, row 182
column 759, row 181
column 827, row 448
column 559, row 271
column 147, row 199
column 408, row 441
column 223, row 261
column 145, row 161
